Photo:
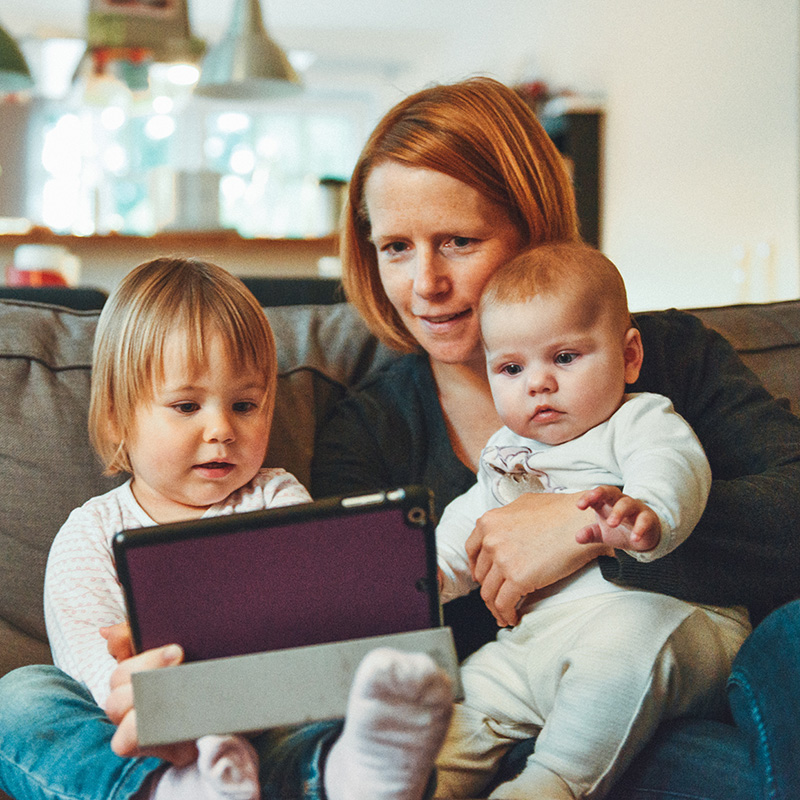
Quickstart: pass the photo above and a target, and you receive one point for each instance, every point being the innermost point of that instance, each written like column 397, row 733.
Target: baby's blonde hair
column 573, row 270
column 152, row 302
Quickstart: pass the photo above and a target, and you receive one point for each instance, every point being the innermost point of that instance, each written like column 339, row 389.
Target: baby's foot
column 226, row 769
column 397, row 716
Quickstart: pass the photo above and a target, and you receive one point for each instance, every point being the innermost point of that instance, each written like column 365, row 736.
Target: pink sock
column 226, row 769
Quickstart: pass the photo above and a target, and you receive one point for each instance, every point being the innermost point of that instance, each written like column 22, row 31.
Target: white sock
column 397, row 717
column 226, row 769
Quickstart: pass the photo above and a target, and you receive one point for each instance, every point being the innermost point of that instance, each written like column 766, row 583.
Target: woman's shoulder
column 404, row 387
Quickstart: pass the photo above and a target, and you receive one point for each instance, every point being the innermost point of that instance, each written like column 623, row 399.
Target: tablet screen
column 337, row 569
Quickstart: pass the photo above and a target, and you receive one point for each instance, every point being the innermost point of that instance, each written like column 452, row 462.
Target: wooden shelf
column 165, row 240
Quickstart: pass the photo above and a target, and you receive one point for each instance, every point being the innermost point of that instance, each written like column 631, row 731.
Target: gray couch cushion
column 47, row 464
column 767, row 337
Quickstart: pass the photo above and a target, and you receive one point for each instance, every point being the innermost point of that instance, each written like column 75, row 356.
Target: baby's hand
column 622, row 522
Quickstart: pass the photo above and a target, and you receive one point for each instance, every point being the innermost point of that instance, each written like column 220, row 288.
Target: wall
column 702, row 175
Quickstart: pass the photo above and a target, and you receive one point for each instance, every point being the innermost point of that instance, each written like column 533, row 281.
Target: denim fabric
column 691, row 759
column 291, row 760
column 764, row 692
column 685, row 760
column 55, row 742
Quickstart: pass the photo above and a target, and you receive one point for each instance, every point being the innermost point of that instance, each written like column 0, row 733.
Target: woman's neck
column 467, row 407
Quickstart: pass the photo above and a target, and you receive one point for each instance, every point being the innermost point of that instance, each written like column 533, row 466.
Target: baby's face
column 202, row 436
column 553, row 374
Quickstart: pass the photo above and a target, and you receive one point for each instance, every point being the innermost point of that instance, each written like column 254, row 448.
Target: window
column 142, row 160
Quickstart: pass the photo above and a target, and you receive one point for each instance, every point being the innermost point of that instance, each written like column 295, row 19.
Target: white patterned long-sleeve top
column 81, row 589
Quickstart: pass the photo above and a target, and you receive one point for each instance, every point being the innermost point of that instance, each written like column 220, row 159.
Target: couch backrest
column 767, row 337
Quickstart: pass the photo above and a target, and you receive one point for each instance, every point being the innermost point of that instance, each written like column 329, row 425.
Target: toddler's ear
column 633, row 353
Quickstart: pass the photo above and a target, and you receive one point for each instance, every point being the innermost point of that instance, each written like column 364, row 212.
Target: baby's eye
column 186, row 408
column 511, row 369
column 244, row 406
column 565, row 358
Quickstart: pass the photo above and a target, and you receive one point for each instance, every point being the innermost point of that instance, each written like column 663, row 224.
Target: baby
column 591, row 668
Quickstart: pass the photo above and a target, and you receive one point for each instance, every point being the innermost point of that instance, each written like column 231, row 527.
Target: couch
column 48, row 467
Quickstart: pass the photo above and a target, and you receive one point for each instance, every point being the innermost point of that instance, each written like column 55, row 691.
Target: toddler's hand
column 118, row 640
column 120, row 710
column 622, row 522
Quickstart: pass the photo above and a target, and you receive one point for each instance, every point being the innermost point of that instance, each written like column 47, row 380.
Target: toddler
column 182, row 394
column 591, row 668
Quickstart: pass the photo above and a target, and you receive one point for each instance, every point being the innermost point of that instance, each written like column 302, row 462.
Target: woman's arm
column 746, row 547
column 527, row 545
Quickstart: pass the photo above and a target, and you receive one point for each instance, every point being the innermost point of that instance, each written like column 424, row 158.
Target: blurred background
column 680, row 119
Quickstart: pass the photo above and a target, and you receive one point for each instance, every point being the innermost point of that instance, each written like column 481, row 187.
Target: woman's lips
column 443, row 319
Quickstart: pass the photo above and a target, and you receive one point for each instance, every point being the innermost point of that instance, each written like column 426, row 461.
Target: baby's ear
column 633, row 353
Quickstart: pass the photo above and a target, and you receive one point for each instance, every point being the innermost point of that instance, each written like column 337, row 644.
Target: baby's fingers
column 598, row 498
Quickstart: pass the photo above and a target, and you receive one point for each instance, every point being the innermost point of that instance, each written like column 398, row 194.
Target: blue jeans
column 764, row 694
column 49, row 725
column 55, row 744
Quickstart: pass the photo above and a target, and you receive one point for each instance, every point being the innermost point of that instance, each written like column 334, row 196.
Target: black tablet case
column 332, row 570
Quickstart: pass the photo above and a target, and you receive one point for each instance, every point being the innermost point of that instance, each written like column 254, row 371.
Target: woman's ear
column 633, row 354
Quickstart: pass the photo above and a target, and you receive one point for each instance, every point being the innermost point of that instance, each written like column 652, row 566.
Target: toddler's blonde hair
column 152, row 302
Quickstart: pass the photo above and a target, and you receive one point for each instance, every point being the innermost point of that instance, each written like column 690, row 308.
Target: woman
column 454, row 181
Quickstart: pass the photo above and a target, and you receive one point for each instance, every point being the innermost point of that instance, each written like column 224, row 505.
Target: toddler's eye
column 244, row 406
column 565, row 358
column 186, row 408
column 511, row 369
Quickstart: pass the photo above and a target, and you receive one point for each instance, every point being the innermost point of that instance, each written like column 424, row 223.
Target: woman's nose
column 430, row 276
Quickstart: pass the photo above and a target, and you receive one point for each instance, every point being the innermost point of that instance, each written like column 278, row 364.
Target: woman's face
column 438, row 241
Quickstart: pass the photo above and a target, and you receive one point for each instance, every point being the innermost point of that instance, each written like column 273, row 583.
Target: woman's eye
column 511, row 369
column 459, row 242
column 565, row 358
column 393, row 248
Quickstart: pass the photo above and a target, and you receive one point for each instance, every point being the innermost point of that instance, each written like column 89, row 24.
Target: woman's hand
column 120, row 710
column 527, row 545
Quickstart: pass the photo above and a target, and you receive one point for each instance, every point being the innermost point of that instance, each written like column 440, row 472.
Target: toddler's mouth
column 215, row 465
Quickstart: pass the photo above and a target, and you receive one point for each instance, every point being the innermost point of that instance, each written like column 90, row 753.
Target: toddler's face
column 201, row 437
column 553, row 374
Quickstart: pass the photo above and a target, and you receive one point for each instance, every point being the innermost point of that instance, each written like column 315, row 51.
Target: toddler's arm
column 622, row 522
column 81, row 594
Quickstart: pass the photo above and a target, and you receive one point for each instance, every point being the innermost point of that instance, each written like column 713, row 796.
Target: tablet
column 326, row 571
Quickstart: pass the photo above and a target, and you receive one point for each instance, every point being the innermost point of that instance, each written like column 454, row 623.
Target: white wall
column 702, row 173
